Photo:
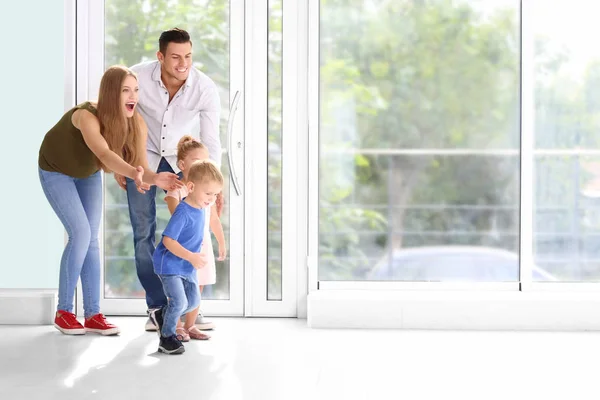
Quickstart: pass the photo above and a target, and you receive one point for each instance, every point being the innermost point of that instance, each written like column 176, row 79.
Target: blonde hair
column 121, row 133
column 205, row 171
column 187, row 144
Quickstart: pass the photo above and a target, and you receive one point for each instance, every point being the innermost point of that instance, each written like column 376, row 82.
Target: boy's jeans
column 183, row 296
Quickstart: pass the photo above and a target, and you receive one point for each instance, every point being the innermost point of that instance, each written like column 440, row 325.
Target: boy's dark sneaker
column 156, row 315
column 170, row 345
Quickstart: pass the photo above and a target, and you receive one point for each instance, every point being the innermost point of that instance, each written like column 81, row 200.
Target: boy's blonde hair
column 187, row 144
column 205, row 171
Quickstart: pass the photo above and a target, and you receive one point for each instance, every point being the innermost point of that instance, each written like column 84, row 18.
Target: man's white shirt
column 194, row 110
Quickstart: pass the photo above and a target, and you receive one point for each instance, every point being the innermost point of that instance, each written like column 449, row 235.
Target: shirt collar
column 156, row 72
column 191, row 79
column 188, row 82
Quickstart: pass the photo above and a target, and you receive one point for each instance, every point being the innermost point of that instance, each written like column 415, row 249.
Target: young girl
column 190, row 150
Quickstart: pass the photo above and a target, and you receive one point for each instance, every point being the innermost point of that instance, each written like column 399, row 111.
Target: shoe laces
column 174, row 339
column 68, row 316
column 100, row 318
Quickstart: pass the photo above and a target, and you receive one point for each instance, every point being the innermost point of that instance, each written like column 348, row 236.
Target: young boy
column 178, row 254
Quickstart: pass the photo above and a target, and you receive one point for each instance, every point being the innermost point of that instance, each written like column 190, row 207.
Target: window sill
column 454, row 310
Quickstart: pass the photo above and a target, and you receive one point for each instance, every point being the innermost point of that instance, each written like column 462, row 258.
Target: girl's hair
column 204, row 171
column 122, row 134
column 187, row 144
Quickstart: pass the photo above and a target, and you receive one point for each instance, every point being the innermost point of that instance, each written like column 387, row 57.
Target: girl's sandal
column 182, row 335
column 195, row 333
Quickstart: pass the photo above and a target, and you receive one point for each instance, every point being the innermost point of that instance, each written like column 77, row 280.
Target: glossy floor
column 282, row 359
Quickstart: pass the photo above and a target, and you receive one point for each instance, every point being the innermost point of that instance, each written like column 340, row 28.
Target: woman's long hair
column 121, row 133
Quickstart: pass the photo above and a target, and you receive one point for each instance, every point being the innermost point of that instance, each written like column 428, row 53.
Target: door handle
column 232, row 113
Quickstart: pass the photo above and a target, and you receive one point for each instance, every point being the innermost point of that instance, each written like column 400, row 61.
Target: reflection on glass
column 567, row 217
column 567, row 119
column 274, row 151
column 132, row 28
column 419, row 140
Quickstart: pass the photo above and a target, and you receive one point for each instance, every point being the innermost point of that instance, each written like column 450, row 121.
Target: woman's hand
column 167, row 181
column 139, row 183
column 120, row 181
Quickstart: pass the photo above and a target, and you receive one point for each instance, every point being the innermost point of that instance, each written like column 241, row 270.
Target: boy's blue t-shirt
column 186, row 226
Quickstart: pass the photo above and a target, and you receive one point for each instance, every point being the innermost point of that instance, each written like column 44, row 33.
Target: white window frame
column 527, row 187
column 294, row 151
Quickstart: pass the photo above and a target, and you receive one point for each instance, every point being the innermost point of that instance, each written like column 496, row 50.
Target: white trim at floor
column 27, row 306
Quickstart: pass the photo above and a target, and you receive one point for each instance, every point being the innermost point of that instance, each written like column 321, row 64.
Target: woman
column 109, row 135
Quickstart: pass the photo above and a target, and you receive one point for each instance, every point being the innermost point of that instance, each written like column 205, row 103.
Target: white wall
column 31, row 35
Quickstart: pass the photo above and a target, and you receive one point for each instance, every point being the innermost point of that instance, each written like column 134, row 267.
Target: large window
column 132, row 29
column 567, row 139
column 419, row 140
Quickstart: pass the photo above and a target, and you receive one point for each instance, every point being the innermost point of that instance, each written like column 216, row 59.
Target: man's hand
column 220, row 203
column 198, row 260
column 167, row 181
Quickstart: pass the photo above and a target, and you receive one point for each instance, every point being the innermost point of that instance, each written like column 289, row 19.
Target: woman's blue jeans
column 78, row 205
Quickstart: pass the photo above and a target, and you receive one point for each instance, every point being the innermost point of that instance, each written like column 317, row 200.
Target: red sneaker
column 99, row 324
column 67, row 323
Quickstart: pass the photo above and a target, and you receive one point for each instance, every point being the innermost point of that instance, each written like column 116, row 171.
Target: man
column 175, row 99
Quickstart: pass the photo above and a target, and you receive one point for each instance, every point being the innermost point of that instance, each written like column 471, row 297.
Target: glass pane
column 274, row 151
column 567, row 74
column 132, row 28
column 567, row 117
column 567, row 218
column 419, row 140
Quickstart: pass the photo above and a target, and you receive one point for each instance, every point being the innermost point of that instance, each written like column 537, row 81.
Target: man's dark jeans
column 142, row 213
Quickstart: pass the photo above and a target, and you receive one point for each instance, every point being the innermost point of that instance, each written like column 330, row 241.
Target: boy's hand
column 198, row 260
column 222, row 252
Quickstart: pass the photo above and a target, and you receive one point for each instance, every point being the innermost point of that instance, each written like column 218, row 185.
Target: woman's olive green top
column 64, row 150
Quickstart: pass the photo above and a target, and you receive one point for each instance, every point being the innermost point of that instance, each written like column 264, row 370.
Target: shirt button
column 163, row 151
column 164, row 126
column 166, row 93
column 163, row 137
